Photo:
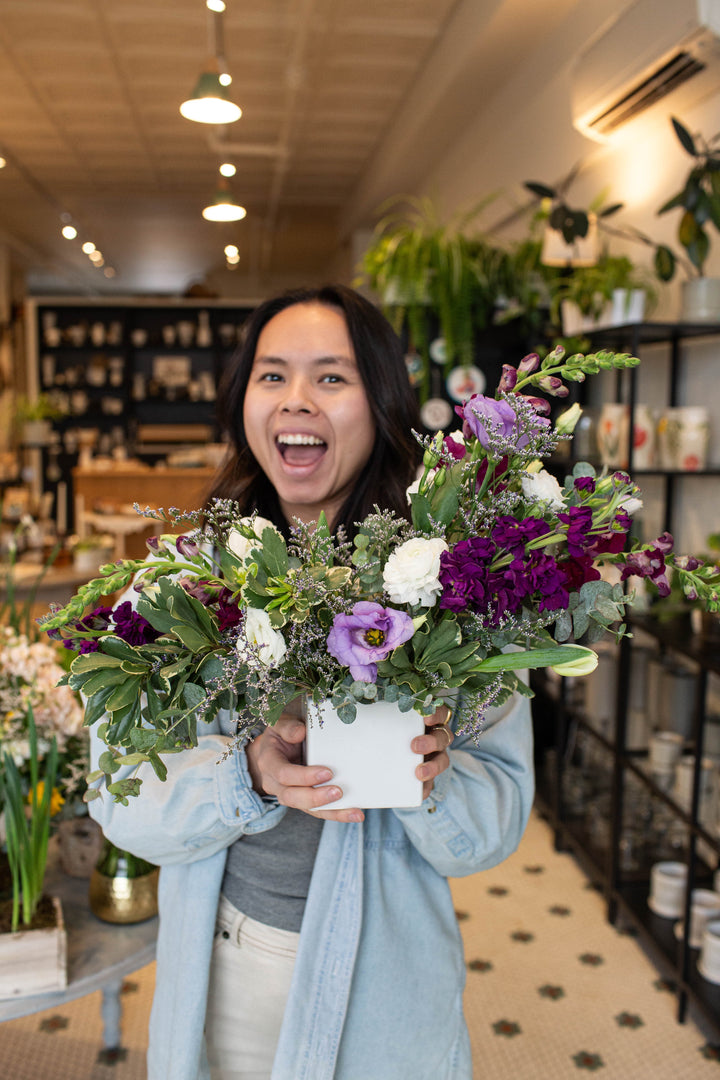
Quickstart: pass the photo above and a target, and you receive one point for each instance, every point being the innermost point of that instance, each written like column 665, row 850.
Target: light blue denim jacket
column 379, row 976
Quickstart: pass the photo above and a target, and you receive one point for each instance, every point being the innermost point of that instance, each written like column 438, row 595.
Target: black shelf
column 626, row 890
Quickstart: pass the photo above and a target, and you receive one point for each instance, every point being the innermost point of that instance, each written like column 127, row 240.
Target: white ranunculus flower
column 239, row 544
column 411, row 574
column 258, row 631
column 543, row 487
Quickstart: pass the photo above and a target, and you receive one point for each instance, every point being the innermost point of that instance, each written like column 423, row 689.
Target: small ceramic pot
column 709, row 959
column 667, row 889
column 704, row 908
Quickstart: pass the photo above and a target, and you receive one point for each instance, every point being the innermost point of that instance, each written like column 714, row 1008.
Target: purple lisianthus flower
column 197, row 588
column 484, row 416
column 365, row 636
column 187, row 547
column 132, row 627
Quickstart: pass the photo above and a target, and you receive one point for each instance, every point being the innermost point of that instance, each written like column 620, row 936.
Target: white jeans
column 250, row 975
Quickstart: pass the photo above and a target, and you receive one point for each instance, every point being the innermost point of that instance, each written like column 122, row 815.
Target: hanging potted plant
column 699, row 199
column 33, row 941
column 433, row 279
column 612, row 292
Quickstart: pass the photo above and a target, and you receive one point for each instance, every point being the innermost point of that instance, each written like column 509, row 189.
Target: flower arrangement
column 29, row 676
column 496, row 572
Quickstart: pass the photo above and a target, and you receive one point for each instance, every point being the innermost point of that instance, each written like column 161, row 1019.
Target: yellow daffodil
column 56, row 799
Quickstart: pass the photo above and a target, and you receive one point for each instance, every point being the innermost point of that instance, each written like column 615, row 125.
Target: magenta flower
column 132, row 627
column 368, row 634
column 649, row 562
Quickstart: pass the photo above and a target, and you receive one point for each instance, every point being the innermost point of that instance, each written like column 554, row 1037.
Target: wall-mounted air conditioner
column 655, row 49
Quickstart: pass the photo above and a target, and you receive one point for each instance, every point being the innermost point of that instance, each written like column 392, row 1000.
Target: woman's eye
column 332, row 378
column 270, row 376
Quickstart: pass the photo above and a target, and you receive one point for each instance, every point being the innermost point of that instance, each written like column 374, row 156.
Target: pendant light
column 223, row 207
column 210, row 101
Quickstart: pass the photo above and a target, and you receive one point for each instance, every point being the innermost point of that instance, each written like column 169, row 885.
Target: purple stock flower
column 579, row 524
column 513, row 535
column 367, row 635
column 649, row 562
column 464, row 574
column 132, row 627
column 229, row 614
column 584, row 483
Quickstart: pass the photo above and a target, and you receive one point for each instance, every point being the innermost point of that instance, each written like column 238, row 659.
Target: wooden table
column 99, row 956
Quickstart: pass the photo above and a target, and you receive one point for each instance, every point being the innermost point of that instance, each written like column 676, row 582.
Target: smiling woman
column 293, row 920
column 306, row 414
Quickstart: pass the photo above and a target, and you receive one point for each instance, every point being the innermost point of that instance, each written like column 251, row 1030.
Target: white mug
column 643, row 437
column 667, row 889
column 704, row 907
column 665, row 750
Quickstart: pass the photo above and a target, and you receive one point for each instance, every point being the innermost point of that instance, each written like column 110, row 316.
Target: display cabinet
column 130, row 379
column 594, row 777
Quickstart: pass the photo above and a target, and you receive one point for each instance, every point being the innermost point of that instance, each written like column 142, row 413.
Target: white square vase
column 370, row 758
column 34, row 961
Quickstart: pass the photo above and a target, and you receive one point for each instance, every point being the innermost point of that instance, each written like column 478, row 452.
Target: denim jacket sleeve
column 203, row 806
column 477, row 811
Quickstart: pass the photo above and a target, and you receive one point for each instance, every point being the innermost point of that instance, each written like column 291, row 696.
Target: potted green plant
column 90, row 551
column 699, row 199
column 612, row 292
column 429, row 274
column 33, row 943
column 34, row 415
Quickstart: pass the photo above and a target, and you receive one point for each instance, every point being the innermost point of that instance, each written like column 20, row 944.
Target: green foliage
column 699, row 198
column 27, row 834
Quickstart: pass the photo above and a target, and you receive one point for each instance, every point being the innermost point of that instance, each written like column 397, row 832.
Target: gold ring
column 444, row 727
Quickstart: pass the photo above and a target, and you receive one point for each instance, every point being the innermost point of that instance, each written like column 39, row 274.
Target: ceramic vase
column 370, row 758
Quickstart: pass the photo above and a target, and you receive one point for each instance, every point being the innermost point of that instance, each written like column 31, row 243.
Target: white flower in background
column 239, row 544
column 259, row 632
column 412, row 572
column 543, row 487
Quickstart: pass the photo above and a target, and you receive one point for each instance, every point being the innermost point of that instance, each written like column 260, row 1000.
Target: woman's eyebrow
column 320, row 361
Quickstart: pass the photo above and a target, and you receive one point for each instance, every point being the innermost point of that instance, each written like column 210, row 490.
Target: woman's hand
column 434, row 745
column 274, row 763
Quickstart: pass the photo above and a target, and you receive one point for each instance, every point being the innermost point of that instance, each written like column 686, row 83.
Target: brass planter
column 124, row 899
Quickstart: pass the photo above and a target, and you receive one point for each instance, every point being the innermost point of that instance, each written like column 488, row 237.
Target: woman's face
column 306, row 414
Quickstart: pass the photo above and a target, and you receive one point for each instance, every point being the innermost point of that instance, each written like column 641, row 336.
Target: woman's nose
column 298, row 397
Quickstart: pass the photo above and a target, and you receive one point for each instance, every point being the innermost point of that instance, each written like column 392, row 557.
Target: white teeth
column 300, row 440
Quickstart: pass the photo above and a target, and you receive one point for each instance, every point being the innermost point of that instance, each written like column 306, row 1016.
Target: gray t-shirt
column 267, row 874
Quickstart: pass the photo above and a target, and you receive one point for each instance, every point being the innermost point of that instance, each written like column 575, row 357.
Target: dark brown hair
column 395, row 454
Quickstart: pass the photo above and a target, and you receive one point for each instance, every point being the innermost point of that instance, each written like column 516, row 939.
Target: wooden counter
column 116, row 489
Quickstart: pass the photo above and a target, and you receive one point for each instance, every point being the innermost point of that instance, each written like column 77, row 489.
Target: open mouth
column 300, row 449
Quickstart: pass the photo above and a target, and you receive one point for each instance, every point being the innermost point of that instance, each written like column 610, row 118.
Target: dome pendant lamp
column 210, row 101
column 223, row 206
